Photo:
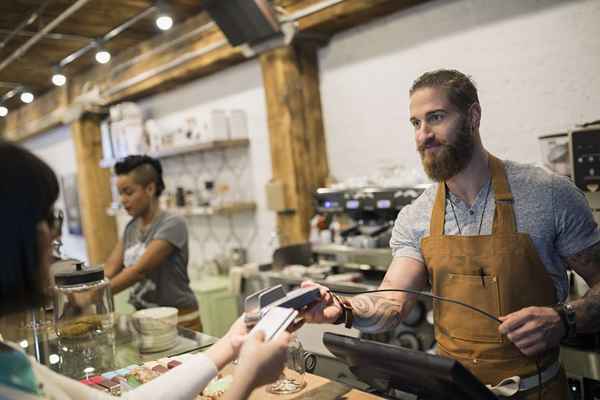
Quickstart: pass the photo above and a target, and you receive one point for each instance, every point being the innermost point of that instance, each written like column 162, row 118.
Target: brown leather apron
column 499, row 273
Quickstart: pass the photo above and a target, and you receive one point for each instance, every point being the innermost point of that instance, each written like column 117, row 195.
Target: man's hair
column 28, row 191
column 144, row 170
column 459, row 87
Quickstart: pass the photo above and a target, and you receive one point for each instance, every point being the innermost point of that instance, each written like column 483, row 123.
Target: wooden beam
column 42, row 115
column 95, row 195
column 185, row 56
column 346, row 14
column 298, row 152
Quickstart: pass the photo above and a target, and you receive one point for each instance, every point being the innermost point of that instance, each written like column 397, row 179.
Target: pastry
column 216, row 388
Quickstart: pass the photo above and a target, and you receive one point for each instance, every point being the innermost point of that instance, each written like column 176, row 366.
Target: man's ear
column 475, row 116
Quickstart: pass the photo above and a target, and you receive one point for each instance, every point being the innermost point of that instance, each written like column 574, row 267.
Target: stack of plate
column 157, row 328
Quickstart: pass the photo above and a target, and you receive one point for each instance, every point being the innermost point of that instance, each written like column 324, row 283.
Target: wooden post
column 298, row 150
column 95, row 195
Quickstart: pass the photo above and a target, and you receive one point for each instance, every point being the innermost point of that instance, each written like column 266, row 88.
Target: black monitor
column 386, row 367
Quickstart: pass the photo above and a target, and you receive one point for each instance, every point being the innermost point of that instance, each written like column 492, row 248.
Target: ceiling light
column 102, row 56
column 58, row 79
column 164, row 22
column 27, row 97
column 3, row 111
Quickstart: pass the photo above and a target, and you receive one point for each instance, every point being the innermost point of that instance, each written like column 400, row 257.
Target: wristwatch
column 568, row 317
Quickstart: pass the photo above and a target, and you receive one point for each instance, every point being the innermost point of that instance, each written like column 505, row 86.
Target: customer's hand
column 326, row 310
column 260, row 363
column 237, row 334
column 228, row 347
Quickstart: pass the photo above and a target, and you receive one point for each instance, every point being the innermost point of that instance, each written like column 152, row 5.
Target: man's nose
column 424, row 133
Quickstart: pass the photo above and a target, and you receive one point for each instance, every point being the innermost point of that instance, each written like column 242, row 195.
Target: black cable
column 439, row 298
column 425, row 294
column 539, row 371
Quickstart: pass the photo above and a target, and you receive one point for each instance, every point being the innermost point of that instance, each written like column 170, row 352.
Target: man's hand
column 533, row 329
column 326, row 310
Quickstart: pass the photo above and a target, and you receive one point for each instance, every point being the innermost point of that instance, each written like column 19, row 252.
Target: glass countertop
column 111, row 350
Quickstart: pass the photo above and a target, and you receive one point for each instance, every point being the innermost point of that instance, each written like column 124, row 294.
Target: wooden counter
column 316, row 388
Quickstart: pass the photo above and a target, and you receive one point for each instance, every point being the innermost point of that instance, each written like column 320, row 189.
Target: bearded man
column 497, row 235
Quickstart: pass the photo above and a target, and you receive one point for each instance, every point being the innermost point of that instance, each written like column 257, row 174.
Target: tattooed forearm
column 586, row 259
column 374, row 314
column 587, row 309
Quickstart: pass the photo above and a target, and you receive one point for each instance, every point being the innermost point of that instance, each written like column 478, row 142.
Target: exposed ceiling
column 93, row 20
column 31, row 67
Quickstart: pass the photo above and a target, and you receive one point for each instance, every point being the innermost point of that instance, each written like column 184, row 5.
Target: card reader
column 257, row 304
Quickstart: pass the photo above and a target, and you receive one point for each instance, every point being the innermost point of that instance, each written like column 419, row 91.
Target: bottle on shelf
column 209, row 194
column 179, row 196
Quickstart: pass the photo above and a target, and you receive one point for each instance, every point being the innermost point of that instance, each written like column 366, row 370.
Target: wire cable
column 423, row 294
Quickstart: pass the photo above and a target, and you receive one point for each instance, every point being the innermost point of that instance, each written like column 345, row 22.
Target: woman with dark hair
column 153, row 252
column 28, row 190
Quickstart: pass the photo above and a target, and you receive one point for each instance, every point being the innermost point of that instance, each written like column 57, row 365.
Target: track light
column 27, row 97
column 102, row 56
column 3, row 111
column 164, row 22
column 58, row 78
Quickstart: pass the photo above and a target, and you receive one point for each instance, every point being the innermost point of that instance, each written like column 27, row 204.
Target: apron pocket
column 463, row 323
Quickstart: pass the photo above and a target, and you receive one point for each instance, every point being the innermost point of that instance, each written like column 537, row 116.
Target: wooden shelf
column 225, row 209
column 378, row 258
column 196, row 148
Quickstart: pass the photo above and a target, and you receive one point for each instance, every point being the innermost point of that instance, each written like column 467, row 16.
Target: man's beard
column 451, row 158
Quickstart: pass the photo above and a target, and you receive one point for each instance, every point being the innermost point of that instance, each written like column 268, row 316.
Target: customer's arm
column 184, row 382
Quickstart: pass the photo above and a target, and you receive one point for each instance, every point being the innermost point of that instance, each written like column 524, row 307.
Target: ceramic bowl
column 155, row 321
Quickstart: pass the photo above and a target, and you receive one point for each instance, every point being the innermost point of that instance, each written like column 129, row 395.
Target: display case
column 116, row 348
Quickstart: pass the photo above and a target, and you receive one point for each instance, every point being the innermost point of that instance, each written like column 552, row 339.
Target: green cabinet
column 218, row 306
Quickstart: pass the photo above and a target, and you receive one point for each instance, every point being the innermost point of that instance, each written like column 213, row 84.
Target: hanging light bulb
column 27, row 97
column 102, row 56
column 3, row 111
column 164, row 22
column 58, row 78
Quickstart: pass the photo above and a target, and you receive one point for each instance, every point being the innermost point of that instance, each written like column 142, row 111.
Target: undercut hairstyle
column 28, row 190
column 459, row 87
column 144, row 170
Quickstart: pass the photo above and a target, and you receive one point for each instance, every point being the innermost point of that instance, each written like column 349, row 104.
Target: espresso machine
column 368, row 214
column 576, row 154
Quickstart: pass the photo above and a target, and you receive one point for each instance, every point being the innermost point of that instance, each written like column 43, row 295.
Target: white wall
column 56, row 149
column 536, row 65
column 239, row 87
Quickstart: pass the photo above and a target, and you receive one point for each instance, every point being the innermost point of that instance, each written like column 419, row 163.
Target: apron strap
column 504, row 216
column 438, row 214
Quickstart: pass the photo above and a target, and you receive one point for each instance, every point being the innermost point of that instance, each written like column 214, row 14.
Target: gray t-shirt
column 548, row 207
column 169, row 284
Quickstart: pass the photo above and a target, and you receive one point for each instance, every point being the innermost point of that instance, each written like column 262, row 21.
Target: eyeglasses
column 55, row 220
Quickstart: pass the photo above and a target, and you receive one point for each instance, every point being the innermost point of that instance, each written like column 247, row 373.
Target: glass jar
column 293, row 377
column 83, row 303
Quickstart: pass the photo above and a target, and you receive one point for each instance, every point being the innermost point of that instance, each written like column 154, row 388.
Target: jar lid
column 79, row 275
